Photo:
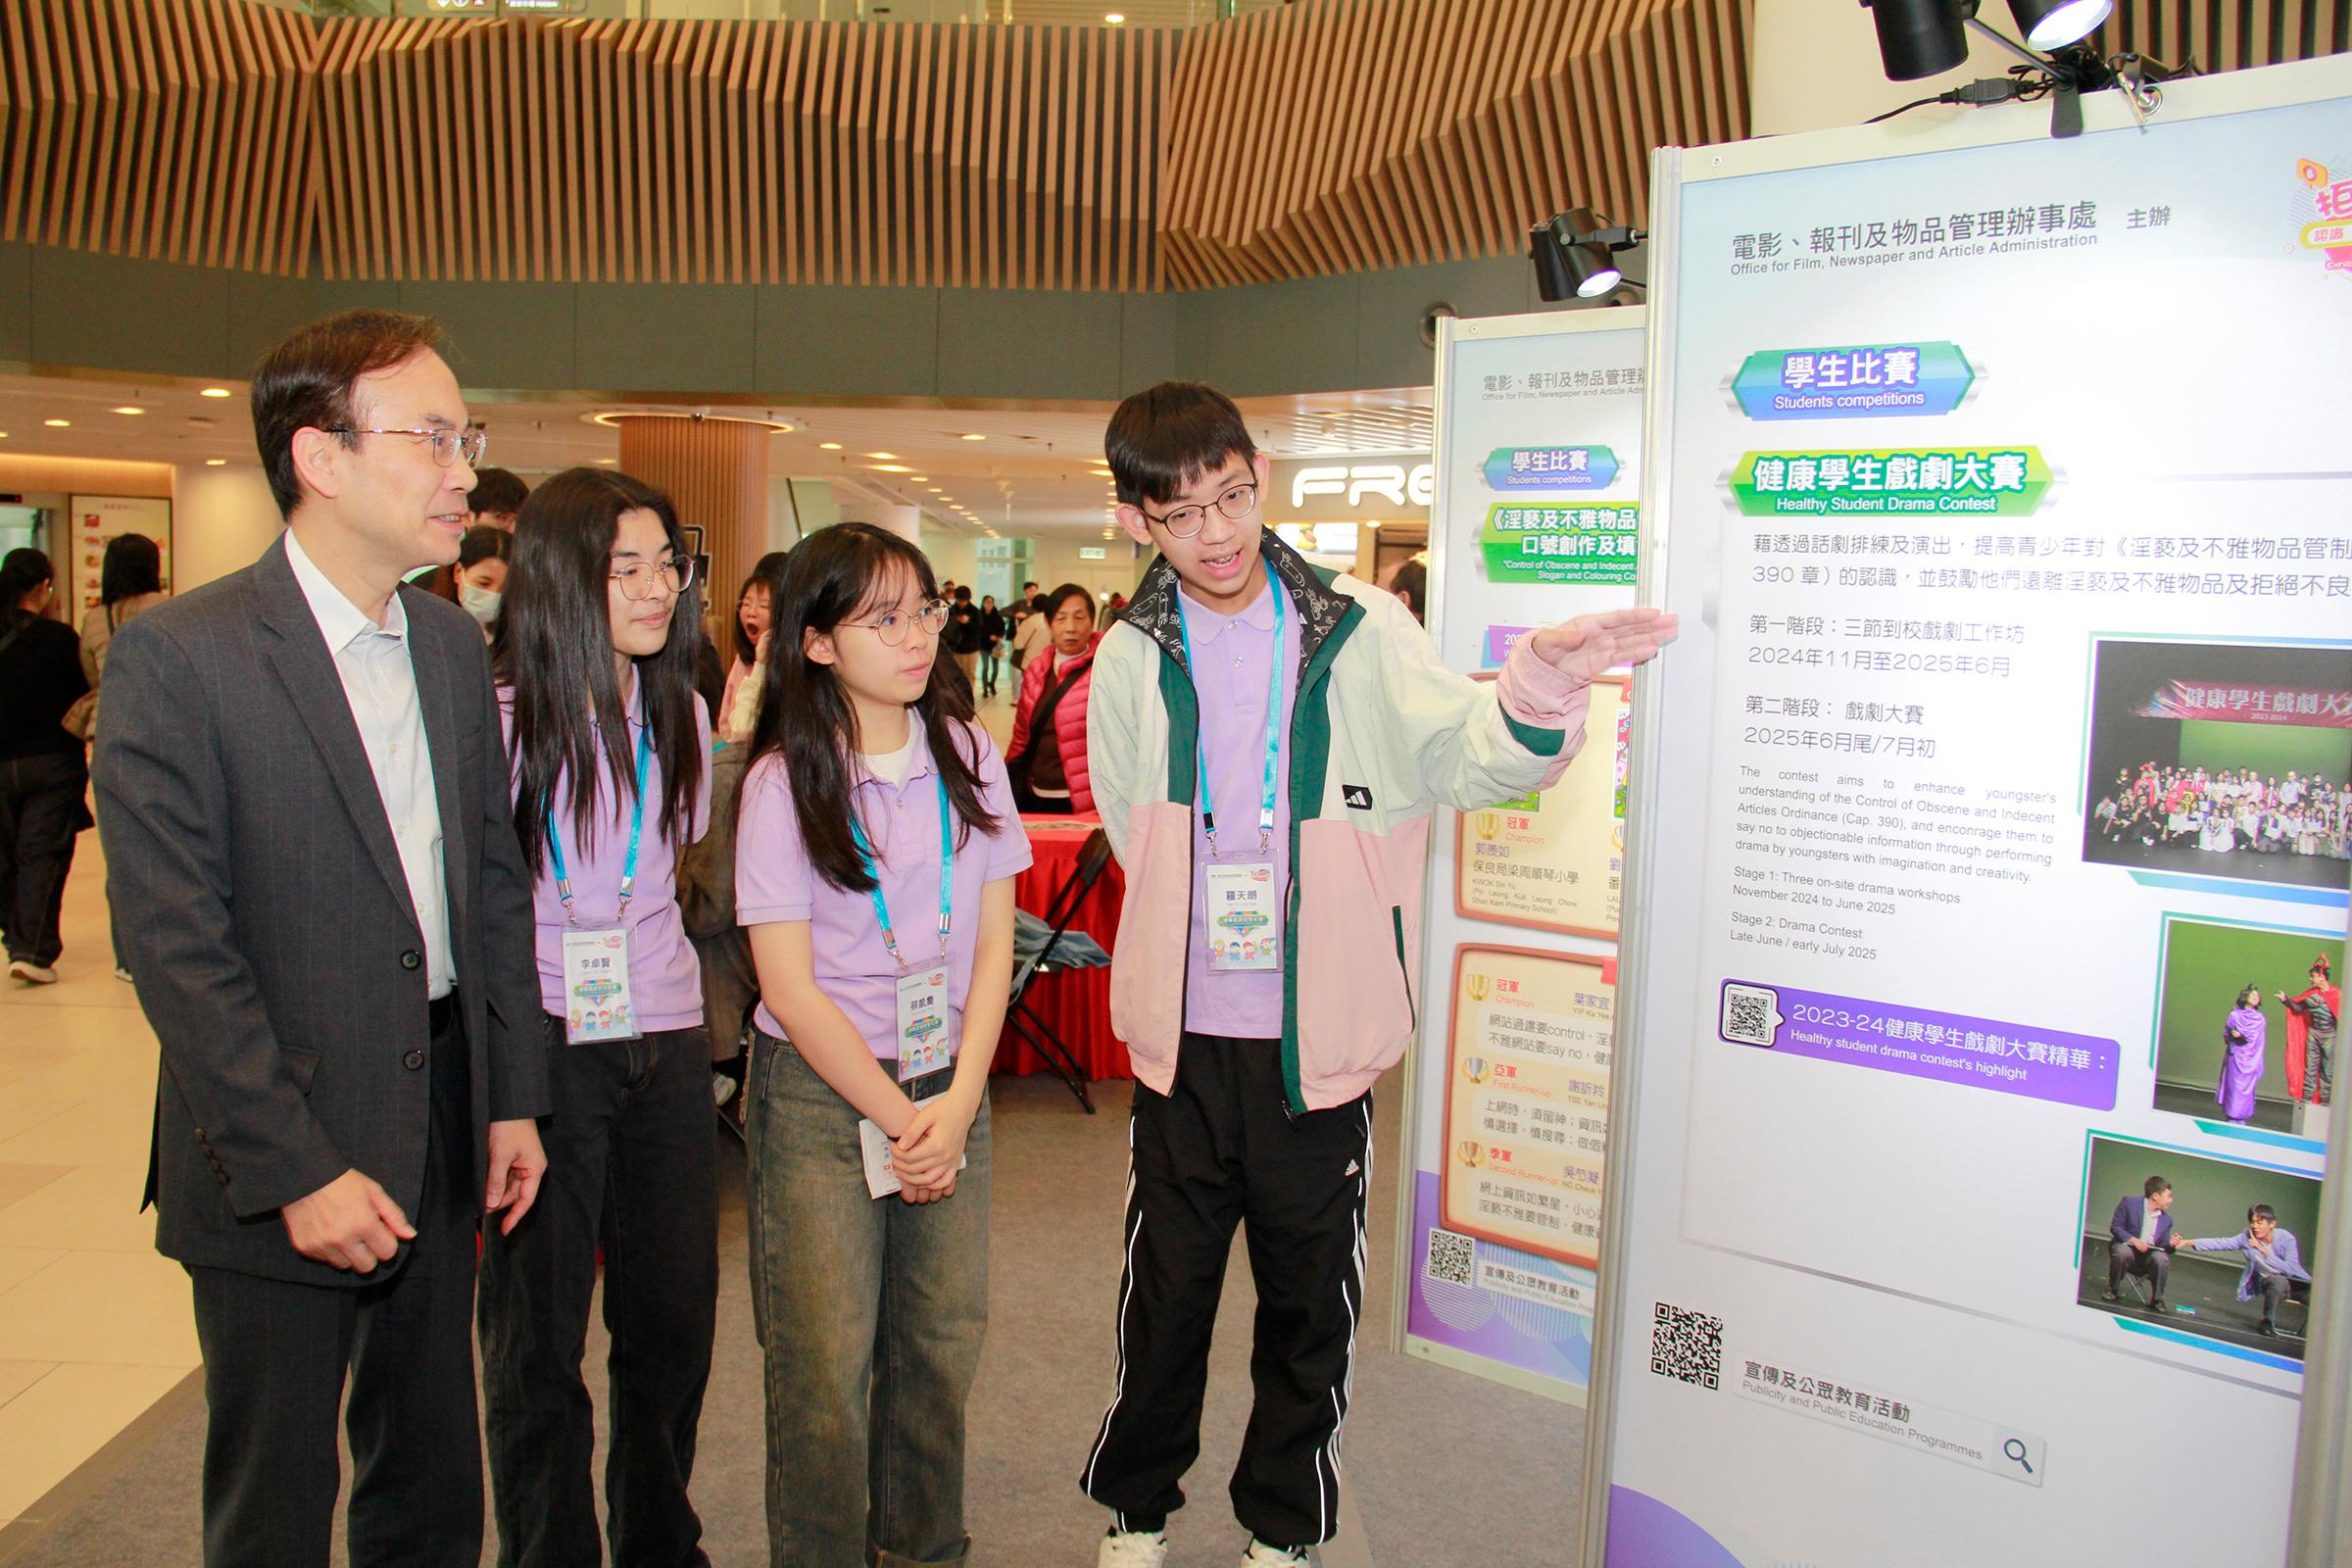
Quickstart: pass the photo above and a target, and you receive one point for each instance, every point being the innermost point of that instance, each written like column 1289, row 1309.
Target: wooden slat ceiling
column 1313, row 138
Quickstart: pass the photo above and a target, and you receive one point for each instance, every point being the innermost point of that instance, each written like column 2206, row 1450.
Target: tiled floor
column 95, row 1326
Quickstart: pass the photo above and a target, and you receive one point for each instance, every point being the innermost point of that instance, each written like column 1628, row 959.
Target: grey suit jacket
column 261, row 906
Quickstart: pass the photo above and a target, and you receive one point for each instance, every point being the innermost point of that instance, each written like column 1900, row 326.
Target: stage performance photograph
column 2221, row 759
column 2197, row 1246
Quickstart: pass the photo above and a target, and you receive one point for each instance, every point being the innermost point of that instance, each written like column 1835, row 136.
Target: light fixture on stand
column 1574, row 255
column 1926, row 37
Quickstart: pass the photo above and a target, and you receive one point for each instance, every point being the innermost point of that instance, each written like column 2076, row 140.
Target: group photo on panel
column 414, row 831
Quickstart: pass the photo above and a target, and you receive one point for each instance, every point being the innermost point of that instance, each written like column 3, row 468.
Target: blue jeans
column 871, row 1314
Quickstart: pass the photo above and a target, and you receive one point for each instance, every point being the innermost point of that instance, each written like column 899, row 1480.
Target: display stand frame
column 1446, row 535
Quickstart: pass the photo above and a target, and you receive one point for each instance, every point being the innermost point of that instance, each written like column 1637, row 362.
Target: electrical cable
column 1979, row 94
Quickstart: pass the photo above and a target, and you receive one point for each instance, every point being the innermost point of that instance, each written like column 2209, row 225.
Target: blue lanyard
column 628, row 867
column 947, row 878
column 1265, row 796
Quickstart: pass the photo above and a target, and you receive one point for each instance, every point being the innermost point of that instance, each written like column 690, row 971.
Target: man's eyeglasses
column 638, row 580
column 447, row 444
column 892, row 624
column 1185, row 522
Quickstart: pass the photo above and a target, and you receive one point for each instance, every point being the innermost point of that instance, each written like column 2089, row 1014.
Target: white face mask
column 480, row 603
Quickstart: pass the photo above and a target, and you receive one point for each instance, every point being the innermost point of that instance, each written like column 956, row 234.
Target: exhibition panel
column 2008, row 727
column 1534, row 521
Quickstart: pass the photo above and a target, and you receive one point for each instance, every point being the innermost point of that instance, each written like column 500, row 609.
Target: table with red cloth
column 1075, row 1003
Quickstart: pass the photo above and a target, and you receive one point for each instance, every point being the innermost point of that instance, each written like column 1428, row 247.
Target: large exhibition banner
column 1990, row 819
column 1539, row 441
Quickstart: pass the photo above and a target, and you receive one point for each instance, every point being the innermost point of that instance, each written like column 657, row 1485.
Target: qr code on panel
column 1450, row 1259
column 1687, row 1345
column 1747, row 1013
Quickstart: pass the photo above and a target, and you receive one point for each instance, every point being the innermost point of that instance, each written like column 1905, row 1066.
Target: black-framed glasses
column 639, row 578
column 447, row 444
column 892, row 624
column 1183, row 522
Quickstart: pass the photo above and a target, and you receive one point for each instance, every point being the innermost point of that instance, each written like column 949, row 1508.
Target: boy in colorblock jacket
column 1266, row 742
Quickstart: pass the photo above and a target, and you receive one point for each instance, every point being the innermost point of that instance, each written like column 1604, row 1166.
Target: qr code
column 1688, row 1345
column 1450, row 1257
column 1747, row 1013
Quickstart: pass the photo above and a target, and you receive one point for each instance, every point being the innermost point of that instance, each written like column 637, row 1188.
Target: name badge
column 1244, row 918
column 597, row 1004
column 923, row 1041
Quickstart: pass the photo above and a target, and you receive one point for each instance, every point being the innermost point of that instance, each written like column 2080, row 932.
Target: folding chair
column 1060, row 949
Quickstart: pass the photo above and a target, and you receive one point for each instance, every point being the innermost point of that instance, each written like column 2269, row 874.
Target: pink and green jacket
column 1381, row 734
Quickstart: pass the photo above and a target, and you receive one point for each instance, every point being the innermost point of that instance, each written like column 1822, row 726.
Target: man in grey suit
column 305, row 798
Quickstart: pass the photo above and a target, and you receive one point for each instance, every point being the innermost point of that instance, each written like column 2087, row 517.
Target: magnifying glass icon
column 2015, row 1449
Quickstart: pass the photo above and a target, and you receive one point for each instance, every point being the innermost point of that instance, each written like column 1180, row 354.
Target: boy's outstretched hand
column 1593, row 645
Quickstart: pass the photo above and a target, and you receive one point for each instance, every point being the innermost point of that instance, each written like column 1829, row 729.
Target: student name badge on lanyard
column 921, row 1033
column 1242, row 908
column 598, row 1003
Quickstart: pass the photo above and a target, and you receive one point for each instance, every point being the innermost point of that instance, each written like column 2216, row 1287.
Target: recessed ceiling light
column 916, row 478
column 974, row 436
column 830, row 446
column 216, row 392
column 883, row 457
column 1115, row 19
column 130, row 408
column 216, row 462
column 888, row 467
column 57, row 425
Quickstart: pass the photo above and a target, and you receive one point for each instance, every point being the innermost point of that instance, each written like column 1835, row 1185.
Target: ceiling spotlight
column 974, row 436
column 130, row 408
column 1572, row 255
column 830, row 446
column 888, row 467
column 1115, row 18
column 883, row 457
column 916, row 478
column 216, row 462
column 1917, row 37
column 216, row 392
column 57, row 425
column 2055, row 23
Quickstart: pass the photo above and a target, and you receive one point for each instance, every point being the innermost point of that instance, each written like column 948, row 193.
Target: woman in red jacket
column 1048, row 756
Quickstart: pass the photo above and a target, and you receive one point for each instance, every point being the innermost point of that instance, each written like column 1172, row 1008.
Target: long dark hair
column 766, row 572
column 554, row 645
column 841, row 573
column 133, row 564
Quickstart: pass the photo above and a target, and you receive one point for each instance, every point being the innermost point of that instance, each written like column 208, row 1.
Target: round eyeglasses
column 638, row 580
column 1183, row 522
column 892, row 624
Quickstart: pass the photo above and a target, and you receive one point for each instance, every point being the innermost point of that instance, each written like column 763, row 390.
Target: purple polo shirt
column 774, row 882
column 1232, row 658
column 665, row 977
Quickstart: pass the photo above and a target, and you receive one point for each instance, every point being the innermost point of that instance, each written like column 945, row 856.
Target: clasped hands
column 929, row 1154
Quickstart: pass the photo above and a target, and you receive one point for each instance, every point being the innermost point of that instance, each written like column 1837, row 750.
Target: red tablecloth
column 1075, row 1003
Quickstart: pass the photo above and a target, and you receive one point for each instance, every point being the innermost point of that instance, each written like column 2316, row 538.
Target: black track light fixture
column 1573, row 254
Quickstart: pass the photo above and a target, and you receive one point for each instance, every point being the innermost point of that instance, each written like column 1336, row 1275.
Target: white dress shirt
column 380, row 683
column 2149, row 1214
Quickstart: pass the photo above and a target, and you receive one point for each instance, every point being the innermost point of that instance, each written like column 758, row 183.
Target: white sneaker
column 1133, row 1549
column 1261, row 1556
column 31, row 973
column 122, row 973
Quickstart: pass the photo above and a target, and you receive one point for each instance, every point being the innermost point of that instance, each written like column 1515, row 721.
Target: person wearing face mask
column 478, row 581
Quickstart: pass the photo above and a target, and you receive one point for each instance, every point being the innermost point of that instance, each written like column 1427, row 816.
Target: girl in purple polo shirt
column 595, row 663
column 874, row 864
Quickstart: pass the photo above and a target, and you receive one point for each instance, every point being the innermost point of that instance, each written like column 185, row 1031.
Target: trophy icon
column 1477, row 987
